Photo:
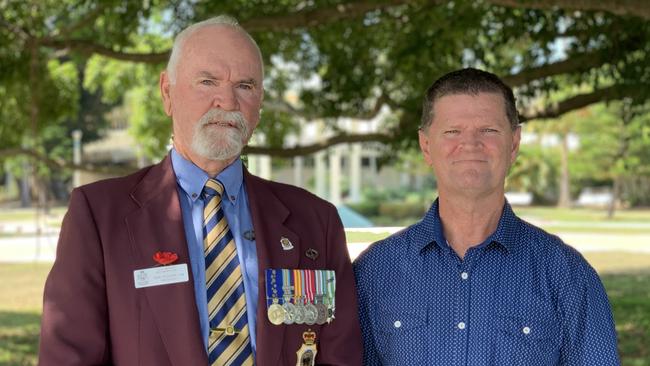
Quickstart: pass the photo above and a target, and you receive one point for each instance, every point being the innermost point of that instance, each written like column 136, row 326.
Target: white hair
column 181, row 37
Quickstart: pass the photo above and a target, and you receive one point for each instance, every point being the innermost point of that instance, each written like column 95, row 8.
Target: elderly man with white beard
column 195, row 261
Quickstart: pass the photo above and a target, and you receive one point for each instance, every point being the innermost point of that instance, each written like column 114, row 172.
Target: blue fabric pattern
column 522, row 297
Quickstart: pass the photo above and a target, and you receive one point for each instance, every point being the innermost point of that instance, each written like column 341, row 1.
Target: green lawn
column 626, row 277
column 582, row 214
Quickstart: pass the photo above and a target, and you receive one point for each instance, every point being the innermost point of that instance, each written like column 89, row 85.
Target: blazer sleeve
column 341, row 340
column 74, row 329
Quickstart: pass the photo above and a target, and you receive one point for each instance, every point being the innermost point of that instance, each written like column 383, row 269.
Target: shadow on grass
column 19, row 338
column 629, row 295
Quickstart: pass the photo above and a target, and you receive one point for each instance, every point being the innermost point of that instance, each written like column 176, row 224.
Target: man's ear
column 423, row 138
column 516, row 139
column 165, row 85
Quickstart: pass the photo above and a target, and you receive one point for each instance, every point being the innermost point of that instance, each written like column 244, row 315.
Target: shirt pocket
column 401, row 337
column 526, row 340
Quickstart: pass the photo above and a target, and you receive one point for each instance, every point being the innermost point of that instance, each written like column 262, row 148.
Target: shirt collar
column 192, row 179
column 429, row 230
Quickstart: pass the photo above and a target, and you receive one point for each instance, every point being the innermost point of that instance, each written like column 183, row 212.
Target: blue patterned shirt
column 522, row 297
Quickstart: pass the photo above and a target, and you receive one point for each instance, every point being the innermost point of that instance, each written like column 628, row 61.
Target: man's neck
column 211, row 167
column 468, row 221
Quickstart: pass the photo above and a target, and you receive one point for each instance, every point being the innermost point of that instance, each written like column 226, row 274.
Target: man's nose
column 470, row 139
column 226, row 99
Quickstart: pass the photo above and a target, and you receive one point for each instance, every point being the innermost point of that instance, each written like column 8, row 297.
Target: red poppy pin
column 165, row 258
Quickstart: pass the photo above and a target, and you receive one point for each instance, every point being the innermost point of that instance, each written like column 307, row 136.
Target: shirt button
column 526, row 330
column 397, row 324
column 461, row 325
column 464, row 275
column 194, row 195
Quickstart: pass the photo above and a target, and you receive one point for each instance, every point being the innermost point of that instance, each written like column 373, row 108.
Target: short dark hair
column 468, row 81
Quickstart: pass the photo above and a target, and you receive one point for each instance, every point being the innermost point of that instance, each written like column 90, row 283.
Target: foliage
column 65, row 63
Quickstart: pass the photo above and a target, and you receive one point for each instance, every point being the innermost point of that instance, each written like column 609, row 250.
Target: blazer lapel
column 269, row 215
column 158, row 226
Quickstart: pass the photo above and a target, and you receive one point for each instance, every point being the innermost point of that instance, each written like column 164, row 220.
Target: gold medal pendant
column 306, row 355
column 276, row 313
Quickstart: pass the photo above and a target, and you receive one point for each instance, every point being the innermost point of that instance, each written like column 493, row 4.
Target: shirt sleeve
column 589, row 335
column 74, row 326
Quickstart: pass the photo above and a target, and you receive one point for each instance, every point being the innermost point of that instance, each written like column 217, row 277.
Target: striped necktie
column 229, row 341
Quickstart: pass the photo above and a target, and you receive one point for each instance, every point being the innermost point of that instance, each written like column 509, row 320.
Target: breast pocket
column 526, row 340
column 401, row 337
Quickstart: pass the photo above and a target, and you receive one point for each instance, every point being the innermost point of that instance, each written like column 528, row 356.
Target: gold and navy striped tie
column 229, row 341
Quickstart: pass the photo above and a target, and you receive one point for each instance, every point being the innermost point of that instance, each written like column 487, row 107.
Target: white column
column 297, row 171
column 265, row 166
column 355, row 173
column 319, row 165
column 76, row 157
column 335, row 175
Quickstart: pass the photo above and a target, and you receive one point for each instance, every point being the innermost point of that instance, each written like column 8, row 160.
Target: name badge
column 163, row 275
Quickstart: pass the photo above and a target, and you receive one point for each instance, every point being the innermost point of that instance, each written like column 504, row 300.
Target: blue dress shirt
column 522, row 297
column 190, row 180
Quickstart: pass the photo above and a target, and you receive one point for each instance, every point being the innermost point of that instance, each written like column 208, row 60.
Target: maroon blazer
column 94, row 315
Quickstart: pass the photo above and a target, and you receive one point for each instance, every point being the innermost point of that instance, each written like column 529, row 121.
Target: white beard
column 220, row 142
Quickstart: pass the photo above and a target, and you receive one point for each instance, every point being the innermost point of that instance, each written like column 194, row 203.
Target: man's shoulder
column 292, row 195
column 550, row 248
column 386, row 251
column 120, row 184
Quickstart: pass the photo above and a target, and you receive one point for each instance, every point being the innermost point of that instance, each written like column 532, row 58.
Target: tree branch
column 575, row 63
column 637, row 8
column 88, row 47
column 581, row 101
column 62, row 164
column 283, row 152
column 315, row 17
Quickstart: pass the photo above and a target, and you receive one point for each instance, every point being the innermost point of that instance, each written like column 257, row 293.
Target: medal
column 311, row 313
column 306, row 354
column 330, row 291
column 289, row 308
column 276, row 314
column 275, row 311
column 299, row 311
column 321, row 309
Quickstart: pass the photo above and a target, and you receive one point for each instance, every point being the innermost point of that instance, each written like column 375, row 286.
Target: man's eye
column 451, row 132
column 246, row 86
column 207, row 82
column 490, row 130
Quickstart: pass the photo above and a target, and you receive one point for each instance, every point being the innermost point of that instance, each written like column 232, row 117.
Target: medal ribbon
column 269, row 286
column 298, row 286
column 309, row 274
column 286, row 283
column 331, row 286
column 319, row 285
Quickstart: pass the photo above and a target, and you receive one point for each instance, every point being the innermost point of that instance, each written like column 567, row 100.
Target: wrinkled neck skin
column 468, row 220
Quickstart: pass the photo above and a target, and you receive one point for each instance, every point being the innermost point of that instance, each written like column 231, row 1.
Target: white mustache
column 217, row 115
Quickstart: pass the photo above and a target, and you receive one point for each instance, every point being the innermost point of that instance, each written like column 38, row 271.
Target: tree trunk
column 616, row 189
column 565, row 182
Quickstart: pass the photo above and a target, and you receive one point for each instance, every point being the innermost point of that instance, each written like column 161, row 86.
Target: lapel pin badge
column 249, row 235
column 286, row 243
column 312, row 253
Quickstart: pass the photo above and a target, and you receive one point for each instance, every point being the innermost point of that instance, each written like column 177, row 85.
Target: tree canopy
column 64, row 62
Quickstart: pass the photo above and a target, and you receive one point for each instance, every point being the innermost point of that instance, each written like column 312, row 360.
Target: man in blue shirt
column 471, row 283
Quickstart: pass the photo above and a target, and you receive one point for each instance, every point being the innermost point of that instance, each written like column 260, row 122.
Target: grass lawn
column 626, row 277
